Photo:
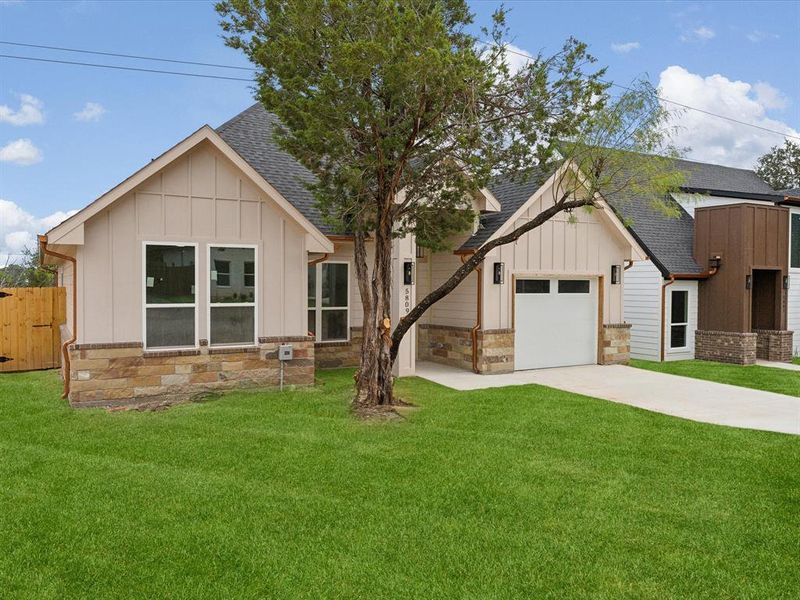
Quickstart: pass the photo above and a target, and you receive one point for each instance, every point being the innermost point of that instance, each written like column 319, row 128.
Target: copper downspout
column 65, row 346
column 311, row 263
column 478, row 316
column 704, row 275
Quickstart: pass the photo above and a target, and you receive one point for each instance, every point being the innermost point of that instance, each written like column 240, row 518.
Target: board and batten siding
column 582, row 246
column 793, row 298
column 200, row 198
column 642, row 298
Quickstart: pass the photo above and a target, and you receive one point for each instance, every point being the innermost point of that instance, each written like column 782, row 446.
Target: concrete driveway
column 693, row 399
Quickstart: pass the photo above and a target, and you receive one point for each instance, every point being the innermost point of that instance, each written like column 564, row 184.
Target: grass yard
column 796, row 360
column 522, row 492
column 769, row 379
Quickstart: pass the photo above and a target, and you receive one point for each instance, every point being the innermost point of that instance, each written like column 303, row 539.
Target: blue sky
column 69, row 133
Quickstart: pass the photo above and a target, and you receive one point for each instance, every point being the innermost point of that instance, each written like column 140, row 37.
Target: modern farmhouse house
column 722, row 281
column 211, row 268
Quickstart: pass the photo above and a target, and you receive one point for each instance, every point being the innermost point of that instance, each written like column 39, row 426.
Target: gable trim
column 205, row 133
column 637, row 251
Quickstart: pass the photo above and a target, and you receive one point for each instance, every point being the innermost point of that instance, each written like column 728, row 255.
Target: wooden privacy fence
column 29, row 328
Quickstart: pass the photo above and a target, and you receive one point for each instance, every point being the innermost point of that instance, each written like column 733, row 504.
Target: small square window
column 573, row 286
column 533, row 286
column 223, row 270
column 249, row 274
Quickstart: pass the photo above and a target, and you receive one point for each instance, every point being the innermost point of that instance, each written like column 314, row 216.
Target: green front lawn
column 522, row 492
column 796, row 360
column 769, row 379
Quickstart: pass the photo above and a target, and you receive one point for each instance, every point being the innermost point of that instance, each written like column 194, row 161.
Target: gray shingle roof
column 250, row 134
column 708, row 177
column 668, row 240
column 791, row 192
column 512, row 195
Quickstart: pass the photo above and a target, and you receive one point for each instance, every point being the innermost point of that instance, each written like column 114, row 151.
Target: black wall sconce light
column 498, row 274
column 408, row 273
column 786, row 282
column 748, row 282
column 714, row 262
column 615, row 271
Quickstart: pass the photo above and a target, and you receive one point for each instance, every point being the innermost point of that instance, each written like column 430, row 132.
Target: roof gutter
column 732, row 194
column 65, row 346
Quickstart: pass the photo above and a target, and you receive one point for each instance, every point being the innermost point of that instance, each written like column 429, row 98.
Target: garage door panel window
column 533, row 286
column 573, row 286
column 679, row 318
column 329, row 301
column 232, row 285
column 170, row 300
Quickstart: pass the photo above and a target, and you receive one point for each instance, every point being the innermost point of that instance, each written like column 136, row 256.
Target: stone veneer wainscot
column 725, row 346
column 126, row 374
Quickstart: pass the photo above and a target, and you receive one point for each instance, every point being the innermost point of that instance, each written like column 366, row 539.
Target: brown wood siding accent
column 748, row 237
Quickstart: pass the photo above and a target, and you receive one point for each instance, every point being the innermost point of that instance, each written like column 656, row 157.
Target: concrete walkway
column 778, row 365
column 693, row 399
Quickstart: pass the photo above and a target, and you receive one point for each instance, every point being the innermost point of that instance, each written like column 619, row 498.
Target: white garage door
column 555, row 323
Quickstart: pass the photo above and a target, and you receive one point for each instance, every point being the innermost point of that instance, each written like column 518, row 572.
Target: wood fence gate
column 29, row 328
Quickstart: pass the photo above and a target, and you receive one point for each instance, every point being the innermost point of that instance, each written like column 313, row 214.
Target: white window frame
column 254, row 303
column 684, row 323
column 145, row 305
column 319, row 308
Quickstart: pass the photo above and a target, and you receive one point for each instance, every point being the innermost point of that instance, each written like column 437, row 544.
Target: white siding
column 688, row 353
column 793, row 301
column 690, row 202
column 642, row 309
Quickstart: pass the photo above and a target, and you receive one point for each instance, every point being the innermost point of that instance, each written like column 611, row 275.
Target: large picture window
column 232, row 295
column 679, row 323
column 170, row 299
column 329, row 301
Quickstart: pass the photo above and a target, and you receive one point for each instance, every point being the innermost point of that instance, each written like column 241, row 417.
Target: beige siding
column 643, row 283
column 584, row 245
column 201, row 198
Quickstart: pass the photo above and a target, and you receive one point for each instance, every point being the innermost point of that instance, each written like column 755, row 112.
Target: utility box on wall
column 285, row 352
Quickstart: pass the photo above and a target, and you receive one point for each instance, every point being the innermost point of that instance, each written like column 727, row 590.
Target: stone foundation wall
column 329, row 355
column 453, row 346
column 725, row 346
column 774, row 345
column 126, row 374
column 616, row 344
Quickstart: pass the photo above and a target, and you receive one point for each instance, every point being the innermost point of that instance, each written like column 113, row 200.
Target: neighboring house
column 723, row 280
column 193, row 272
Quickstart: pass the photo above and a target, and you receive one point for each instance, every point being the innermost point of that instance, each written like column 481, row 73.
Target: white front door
column 555, row 322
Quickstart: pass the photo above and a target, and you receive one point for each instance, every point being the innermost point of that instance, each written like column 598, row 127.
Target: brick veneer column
column 725, row 346
column 775, row 345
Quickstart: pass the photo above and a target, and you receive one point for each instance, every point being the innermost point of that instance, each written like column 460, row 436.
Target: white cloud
column 18, row 228
column 92, row 111
column 624, row 48
column 29, row 112
column 21, row 152
column 701, row 33
column 716, row 140
column 769, row 96
column 516, row 57
column 757, row 36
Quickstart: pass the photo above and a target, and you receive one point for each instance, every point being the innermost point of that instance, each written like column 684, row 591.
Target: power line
column 221, row 66
column 137, row 57
column 119, row 67
column 686, row 106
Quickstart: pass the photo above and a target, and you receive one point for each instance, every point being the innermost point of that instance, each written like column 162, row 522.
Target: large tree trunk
column 374, row 377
